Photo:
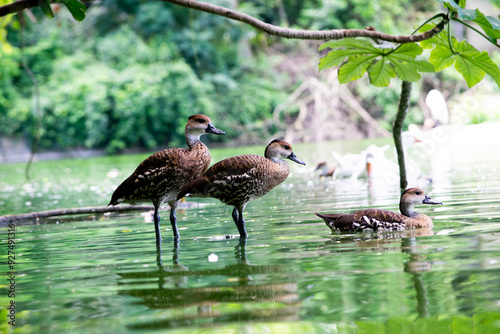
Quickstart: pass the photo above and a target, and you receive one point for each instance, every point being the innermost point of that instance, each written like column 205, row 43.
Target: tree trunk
column 397, row 128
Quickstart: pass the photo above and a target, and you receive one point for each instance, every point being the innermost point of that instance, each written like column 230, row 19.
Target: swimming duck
column 238, row 180
column 325, row 171
column 376, row 219
column 161, row 176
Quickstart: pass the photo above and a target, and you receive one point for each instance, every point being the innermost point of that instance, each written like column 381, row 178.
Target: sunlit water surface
column 101, row 274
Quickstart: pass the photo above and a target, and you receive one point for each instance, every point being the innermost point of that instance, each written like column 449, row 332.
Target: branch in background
column 266, row 27
column 307, row 34
column 397, row 128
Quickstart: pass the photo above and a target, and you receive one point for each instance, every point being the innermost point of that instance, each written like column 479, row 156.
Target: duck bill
column 294, row 158
column 214, row 130
column 428, row 200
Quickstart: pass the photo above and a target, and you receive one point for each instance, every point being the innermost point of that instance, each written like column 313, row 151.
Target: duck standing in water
column 376, row 219
column 162, row 176
column 238, row 180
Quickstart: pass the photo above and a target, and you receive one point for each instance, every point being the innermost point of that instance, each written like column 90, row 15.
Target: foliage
column 128, row 74
column 76, row 8
column 381, row 63
column 386, row 61
column 132, row 83
column 468, row 61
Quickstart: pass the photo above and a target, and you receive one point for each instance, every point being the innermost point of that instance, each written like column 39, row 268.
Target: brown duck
column 238, row 180
column 162, row 176
column 376, row 219
column 325, row 171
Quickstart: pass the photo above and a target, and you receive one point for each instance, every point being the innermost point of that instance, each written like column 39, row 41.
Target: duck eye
column 201, row 120
column 287, row 147
column 418, row 192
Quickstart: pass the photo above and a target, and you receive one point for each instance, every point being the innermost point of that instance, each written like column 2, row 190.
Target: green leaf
column 360, row 44
column 405, row 70
column 471, row 73
column 354, row 68
column 381, row 73
column 46, row 9
column 467, row 14
column 441, row 57
column 489, row 24
column 452, row 5
column 411, row 49
column 335, row 57
column 419, row 65
column 345, row 48
column 76, row 8
column 468, row 62
column 483, row 61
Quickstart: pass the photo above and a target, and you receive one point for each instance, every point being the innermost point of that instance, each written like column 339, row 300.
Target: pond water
column 101, row 274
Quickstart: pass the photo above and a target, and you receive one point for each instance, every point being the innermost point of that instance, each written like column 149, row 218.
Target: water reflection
column 236, row 285
column 417, row 264
column 407, row 242
column 381, row 240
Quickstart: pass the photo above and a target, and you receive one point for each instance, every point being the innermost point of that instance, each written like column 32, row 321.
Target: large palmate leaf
column 355, row 68
column 381, row 74
column 357, row 56
column 489, row 24
column 469, row 62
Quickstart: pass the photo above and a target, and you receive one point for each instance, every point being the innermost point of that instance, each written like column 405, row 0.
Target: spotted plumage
column 238, row 180
column 161, row 177
column 376, row 219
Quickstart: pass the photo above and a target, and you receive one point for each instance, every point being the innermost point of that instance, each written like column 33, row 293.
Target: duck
column 349, row 164
column 161, row 176
column 238, row 180
column 325, row 171
column 377, row 219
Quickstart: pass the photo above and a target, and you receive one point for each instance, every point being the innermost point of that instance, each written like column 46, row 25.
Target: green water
column 100, row 273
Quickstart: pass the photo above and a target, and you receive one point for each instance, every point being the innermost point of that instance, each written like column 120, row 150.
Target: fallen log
column 74, row 211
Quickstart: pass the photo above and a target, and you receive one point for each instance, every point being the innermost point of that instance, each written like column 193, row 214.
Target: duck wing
column 226, row 172
column 159, row 173
column 367, row 219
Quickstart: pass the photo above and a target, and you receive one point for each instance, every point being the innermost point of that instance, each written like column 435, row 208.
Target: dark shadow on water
column 263, row 302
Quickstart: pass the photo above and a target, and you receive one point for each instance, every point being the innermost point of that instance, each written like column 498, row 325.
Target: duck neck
column 193, row 140
column 407, row 210
column 277, row 160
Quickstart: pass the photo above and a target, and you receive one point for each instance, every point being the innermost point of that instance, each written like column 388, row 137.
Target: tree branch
column 74, row 211
column 307, row 34
column 20, row 5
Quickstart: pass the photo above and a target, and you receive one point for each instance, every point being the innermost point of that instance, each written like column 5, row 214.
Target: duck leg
column 156, row 217
column 173, row 219
column 235, row 216
column 240, row 223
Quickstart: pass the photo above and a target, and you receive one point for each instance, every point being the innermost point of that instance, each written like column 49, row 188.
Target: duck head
column 321, row 166
column 412, row 197
column 199, row 124
column 280, row 149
